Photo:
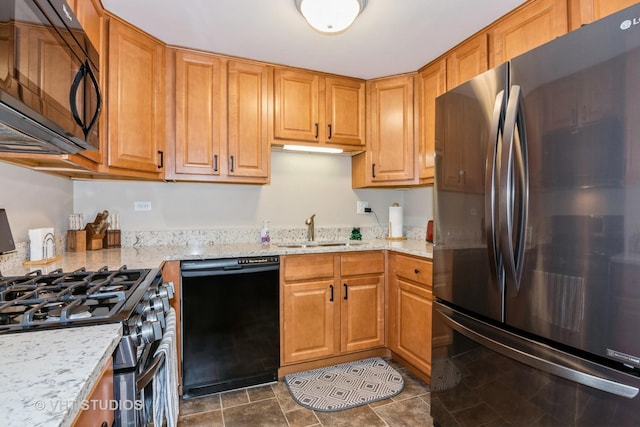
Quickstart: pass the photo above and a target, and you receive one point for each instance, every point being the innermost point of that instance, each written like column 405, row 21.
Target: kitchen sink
column 312, row 244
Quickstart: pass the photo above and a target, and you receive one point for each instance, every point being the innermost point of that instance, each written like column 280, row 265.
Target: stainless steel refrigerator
column 536, row 318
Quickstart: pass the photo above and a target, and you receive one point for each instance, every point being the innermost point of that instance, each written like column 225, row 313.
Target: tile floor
column 272, row 406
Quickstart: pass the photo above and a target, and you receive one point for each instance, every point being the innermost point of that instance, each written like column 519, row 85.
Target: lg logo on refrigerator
column 625, row 25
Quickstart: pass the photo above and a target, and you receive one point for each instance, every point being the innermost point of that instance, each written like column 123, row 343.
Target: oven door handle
column 150, row 372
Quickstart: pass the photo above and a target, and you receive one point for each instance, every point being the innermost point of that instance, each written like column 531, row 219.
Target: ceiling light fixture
column 309, row 149
column 330, row 16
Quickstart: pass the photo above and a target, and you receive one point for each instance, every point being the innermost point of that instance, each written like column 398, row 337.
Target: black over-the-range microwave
column 50, row 97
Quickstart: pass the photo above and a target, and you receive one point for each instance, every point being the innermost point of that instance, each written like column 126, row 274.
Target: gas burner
column 75, row 312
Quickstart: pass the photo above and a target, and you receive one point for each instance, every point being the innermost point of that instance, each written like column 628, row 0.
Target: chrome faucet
column 311, row 233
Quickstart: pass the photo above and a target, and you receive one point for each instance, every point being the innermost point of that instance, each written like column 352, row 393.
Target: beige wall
column 34, row 200
column 301, row 185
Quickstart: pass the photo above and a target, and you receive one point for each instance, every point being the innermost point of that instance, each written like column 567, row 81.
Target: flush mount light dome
column 330, row 16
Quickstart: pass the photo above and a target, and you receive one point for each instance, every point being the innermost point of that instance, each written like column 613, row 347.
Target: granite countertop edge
column 49, row 387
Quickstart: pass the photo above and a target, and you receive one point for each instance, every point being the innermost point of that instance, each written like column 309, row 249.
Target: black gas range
column 136, row 298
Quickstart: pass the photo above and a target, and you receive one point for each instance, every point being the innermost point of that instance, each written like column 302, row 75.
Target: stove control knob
column 134, row 322
column 160, row 304
column 150, row 332
column 166, row 290
column 156, row 316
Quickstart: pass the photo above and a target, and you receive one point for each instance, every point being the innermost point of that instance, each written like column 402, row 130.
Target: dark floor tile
column 407, row 413
column 260, row 393
column 199, row 404
column 413, row 386
column 284, row 397
column 265, row 413
column 202, row 419
column 359, row 416
column 234, row 398
column 302, row 418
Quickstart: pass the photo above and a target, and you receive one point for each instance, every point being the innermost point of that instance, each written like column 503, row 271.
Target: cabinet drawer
column 414, row 269
column 308, row 266
column 361, row 263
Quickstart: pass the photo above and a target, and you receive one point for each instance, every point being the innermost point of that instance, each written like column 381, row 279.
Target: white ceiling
column 389, row 37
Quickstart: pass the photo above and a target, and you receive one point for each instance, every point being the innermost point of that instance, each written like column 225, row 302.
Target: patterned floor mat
column 345, row 386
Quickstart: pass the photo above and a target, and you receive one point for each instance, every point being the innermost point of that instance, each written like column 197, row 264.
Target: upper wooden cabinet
column 467, row 60
column 199, row 112
column 136, row 102
column 430, row 83
column 249, row 121
column 527, row 27
column 586, row 11
column 390, row 156
column 316, row 109
column 221, row 119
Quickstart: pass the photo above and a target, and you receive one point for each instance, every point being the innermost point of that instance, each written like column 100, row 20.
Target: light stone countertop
column 46, row 375
column 51, row 372
column 153, row 256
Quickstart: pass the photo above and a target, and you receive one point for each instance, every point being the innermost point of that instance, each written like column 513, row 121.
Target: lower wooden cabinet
column 410, row 307
column 332, row 304
column 98, row 413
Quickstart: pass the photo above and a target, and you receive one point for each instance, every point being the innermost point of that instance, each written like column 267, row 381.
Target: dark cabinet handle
column 104, row 424
column 161, row 155
column 331, row 298
column 373, row 170
column 232, row 164
column 215, row 163
column 346, row 291
column 330, row 132
column 317, row 131
column 416, row 271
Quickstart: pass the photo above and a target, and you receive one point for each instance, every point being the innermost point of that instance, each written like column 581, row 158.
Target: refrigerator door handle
column 513, row 194
column 492, row 165
column 539, row 355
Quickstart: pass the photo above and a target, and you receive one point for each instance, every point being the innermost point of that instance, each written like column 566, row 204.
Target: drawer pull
column 346, row 291
column 416, row 271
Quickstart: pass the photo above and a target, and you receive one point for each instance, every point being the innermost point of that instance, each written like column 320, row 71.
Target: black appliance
column 230, row 323
column 6, row 238
column 49, row 72
column 135, row 297
column 536, row 203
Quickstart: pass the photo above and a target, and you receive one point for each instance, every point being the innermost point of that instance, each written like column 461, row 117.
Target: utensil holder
column 76, row 240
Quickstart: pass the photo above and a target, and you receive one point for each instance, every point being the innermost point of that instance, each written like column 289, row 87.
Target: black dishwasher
column 230, row 330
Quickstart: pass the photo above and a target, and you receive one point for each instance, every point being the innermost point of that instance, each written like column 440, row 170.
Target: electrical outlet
column 141, row 206
column 360, row 207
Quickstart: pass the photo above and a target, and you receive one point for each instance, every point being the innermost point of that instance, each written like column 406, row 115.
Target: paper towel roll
column 395, row 221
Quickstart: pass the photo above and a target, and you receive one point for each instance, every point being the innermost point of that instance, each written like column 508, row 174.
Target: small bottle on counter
column 264, row 233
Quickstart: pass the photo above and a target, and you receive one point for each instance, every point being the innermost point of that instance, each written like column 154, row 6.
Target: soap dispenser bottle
column 264, row 232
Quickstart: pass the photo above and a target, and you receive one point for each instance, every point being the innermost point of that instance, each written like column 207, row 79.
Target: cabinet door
column 297, row 106
column 198, row 114
column 135, row 100
column 345, row 107
column 530, row 26
column 586, row 11
column 309, row 320
column 410, row 318
column 467, row 60
column 248, row 123
column 362, row 313
column 431, row 83
column 100, row 410
column 391, row 126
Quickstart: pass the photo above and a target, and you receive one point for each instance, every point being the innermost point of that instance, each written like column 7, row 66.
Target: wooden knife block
column 94, row 241
column 76, row 240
